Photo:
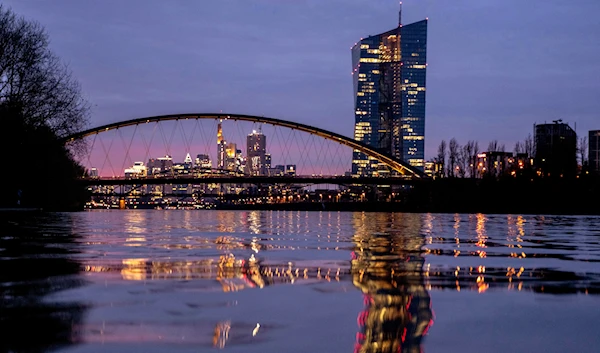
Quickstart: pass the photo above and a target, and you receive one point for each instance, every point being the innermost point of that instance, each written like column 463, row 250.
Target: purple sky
column 495, row 67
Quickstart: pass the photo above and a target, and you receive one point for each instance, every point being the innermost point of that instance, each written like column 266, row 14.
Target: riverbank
column 507, row 196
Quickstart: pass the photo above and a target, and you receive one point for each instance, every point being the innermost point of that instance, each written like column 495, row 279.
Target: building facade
column 203, row 161
column 555, row 150
column 594, row 151
column 257, row 153
column 389, row 76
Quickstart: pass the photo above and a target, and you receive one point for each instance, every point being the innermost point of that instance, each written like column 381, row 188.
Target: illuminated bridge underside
column 395, row 164
column 309, row 180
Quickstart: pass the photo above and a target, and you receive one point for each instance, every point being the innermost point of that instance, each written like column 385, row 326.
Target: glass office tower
column 389, row 91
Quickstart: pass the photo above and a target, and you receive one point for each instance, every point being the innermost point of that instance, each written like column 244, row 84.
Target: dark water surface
column 194, row 281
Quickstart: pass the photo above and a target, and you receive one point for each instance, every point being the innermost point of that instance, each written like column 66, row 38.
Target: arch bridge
column 297, row 141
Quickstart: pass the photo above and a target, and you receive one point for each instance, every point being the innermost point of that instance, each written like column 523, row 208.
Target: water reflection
column 387, row 266
column 35, row 262
column 189, row 270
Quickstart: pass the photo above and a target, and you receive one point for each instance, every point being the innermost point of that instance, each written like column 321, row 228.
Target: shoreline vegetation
column 40, row 102
column 454, row 195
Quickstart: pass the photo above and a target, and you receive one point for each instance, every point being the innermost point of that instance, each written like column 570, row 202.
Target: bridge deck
column 221, row 179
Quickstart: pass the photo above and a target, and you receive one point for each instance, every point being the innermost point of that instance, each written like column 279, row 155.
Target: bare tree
column 519, row 147
column 453, row 157
column 582, row 149
column 470, row 152
column 34, row 82
column 441, row 156
column 493, row 146
column 529, row 146
column 465, row 160
column 474, row 173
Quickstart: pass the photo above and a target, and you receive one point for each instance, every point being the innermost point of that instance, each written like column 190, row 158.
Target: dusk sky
column 495, row 67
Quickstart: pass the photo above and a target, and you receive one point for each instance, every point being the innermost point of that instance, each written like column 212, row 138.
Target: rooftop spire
column 400, row 15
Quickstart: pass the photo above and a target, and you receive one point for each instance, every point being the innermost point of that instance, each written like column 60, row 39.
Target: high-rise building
column 160, row 165
column 594, row 151
column 290, row 170
column 257, row 153
column 137, row 170
column 188, row 161
column 278, row 170
column 203, row 161
column 555, row 149
column 389, row 74
column 230, row 156
column 221, row 147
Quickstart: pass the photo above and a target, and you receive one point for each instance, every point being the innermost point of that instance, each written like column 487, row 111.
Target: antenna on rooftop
column 400, row 15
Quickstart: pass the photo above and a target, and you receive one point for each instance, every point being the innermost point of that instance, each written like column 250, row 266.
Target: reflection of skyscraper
column 257, row 153
column 387, row 268
column 389, row 92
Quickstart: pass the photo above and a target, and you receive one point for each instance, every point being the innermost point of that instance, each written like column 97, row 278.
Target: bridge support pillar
column 122, row 203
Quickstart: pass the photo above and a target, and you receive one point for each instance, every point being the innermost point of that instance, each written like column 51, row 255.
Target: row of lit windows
column 370, row 60
column 416, row 162
column 417, row 138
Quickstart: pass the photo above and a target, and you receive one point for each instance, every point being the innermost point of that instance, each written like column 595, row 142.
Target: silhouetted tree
column 582, row 149
column 469, row 156
column 453, row 157
column 475, row 154
column 441, row 157
column 519, row 147
column 40, row 103
column 463, row 161
column 529, row 146
column 493, row 146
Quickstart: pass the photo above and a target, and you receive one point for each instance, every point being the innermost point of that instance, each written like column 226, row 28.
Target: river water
column 268, row 281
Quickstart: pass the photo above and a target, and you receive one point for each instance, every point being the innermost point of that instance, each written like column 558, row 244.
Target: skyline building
column 257, row 153
column 389, row 77
column 555, row 149
column 160, row 165
column 594, row 151
column 221, row 146
column 203, row 161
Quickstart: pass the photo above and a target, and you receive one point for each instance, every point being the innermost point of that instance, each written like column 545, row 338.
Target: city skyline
column 494, row 68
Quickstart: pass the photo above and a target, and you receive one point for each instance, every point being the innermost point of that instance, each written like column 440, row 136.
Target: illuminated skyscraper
column 221, row 146
column 257, row 153
column 389, row 72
